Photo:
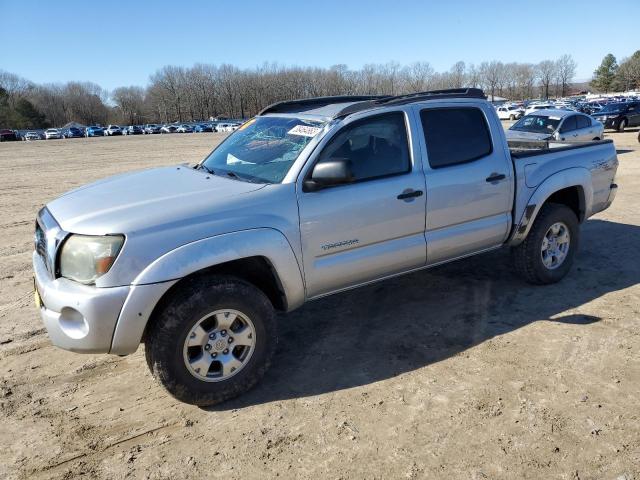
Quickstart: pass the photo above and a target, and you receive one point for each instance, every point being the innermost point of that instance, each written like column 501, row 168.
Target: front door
column 372, row 227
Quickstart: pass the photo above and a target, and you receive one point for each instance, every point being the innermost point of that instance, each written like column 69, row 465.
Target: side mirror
column 335, row 171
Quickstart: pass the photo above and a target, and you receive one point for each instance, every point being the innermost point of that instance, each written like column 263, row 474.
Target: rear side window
column 569, row 124
column 583, row 122
column 455, row 135
column 375, row 146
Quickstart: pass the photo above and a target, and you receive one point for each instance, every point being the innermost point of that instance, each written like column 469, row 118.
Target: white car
column 226, row 127
column 112, row 130
column 29, row 136
column 509, row 112
column 168, row 129
column 50, row 133
column 540, row 106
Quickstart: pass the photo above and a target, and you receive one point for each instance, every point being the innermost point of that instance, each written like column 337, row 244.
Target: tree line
column 225, row 91
column 613, row 77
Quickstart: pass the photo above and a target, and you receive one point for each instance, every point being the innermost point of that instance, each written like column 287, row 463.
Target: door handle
column 410, row 194
column 496, row 177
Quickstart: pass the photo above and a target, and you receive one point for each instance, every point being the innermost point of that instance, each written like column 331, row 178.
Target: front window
column 263, row 149
column 537, row 124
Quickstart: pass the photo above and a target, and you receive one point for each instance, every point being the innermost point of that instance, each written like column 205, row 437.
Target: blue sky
column 123, row 42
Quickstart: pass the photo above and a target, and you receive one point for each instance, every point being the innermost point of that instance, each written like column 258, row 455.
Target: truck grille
column 47, row 238
column 41, row 243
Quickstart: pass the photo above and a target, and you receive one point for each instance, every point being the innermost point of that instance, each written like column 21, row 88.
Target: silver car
column 559, row 125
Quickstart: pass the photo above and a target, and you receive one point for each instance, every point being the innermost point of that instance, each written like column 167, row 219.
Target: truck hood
column 529, row 136
column 136, row 201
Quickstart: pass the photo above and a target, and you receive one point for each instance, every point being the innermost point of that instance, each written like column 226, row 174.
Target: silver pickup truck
column 309, row 198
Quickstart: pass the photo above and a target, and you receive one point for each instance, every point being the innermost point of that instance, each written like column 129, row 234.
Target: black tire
column 512, row 117
column 622, row 125
column 527, row 256
column 165, row 337
column 597, row 139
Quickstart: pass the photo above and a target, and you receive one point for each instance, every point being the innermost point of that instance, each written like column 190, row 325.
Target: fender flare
column 154, row 281
column 208, row 252
column 571, row 177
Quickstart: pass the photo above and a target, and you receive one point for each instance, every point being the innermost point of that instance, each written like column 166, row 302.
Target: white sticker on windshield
column 554, row 118
column 304, row 131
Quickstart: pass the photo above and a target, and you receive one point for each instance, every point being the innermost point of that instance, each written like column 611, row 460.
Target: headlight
column 85, row 258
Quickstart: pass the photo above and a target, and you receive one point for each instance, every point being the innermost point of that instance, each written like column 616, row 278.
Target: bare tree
column 565, row 71
column 492, row 75
column 546, row 72
column 130, row 102
column 458, row 75
column 417, row 77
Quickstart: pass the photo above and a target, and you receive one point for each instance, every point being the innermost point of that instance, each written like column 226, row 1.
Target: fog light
column 72, row 323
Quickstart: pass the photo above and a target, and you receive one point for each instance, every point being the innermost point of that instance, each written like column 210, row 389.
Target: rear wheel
column 546, row 254
column 512, row 117
column 212, row 341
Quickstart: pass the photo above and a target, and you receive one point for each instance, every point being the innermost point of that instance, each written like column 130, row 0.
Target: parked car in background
column 30, row 136
column 510, row 112
column 203, row 127
column 7, row 135
column 94, row 132
column 184, row 129
column 112, row 130
column 538, row 106
column 559, row 125
column 151, row 128
column 168, row 129
column 226, row 127
column 52, row 134
column 72, row 132
column 619, row 116
column 132, row 130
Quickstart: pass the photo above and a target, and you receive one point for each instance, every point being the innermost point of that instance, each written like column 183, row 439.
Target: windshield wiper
column 202, row 166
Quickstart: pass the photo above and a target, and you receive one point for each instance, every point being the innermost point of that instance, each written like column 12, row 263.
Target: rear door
column 469, row 180
column 374, row 226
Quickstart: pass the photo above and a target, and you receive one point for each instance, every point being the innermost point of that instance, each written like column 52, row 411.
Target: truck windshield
column 537, row 124
column 263, row 149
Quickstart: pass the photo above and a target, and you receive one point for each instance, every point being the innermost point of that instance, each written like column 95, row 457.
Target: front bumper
column 80, row 318
column 88, row 319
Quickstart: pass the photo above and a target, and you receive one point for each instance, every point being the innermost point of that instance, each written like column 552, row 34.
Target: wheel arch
column 572, row 188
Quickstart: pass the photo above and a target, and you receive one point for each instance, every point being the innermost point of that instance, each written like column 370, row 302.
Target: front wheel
column 622, row 126
column 546, row 254
column 212, row 341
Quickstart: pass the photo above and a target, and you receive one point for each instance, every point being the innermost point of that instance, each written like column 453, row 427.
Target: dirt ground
column 459, row 372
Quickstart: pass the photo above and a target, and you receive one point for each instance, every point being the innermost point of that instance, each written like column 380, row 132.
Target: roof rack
column 295, row 106
column 413, row 97
column 359, row 103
